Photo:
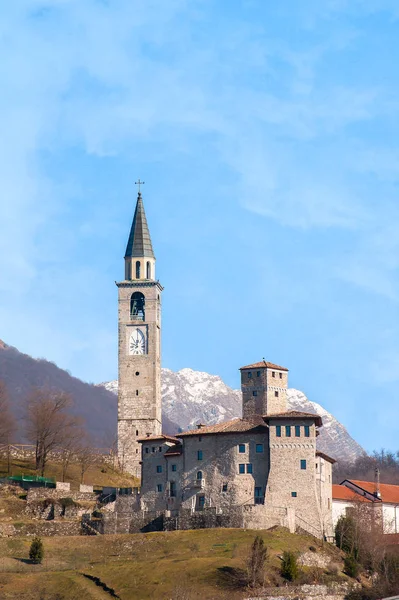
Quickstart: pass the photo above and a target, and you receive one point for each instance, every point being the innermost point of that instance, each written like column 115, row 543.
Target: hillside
column 183, row 565
column 96, row 405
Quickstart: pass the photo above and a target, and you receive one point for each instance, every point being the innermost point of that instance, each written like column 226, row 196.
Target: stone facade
column 264, row 389
column 139, row 351
column 264, row 470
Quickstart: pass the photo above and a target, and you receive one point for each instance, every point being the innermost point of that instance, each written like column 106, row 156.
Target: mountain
column 190, row 397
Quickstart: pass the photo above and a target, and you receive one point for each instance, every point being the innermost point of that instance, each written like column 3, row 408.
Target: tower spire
column 139, row 255
column 139, row 243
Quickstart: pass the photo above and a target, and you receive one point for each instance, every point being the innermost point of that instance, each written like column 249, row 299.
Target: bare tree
column 69, row 450
column 7, row 423
column 86, row 457
column 48, row 424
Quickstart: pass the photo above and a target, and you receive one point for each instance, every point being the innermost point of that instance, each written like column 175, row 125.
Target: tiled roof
column 175, row 450
column 161, row 437
column 295, row 414
column 264, row 364
column 340, row 492
column 233, row 426
column 389, row 492
column 326, row 457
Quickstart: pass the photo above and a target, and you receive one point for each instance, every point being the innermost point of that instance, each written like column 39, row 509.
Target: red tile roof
column 233, row 426
column 264, row 364
column 340, row 492
column 389, row 492
column 295, row 414
column 161, row 437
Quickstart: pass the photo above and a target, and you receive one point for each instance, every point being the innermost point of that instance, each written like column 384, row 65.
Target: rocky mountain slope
column 190, row 397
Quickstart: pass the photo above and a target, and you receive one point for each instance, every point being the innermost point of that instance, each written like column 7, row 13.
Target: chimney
column 200, row 425
column 377, row 490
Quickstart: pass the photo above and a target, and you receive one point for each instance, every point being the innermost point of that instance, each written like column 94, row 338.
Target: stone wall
column 41, row 528
column 139, row 376
column 50, row 504
column 128, row 518
column 336, row 591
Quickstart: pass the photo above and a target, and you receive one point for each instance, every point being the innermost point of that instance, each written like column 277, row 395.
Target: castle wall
column 270, row 389
column 289, row 485
column 324, row 491
column 222, row 483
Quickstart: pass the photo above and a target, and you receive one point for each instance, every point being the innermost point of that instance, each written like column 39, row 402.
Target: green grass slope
column 181, row 565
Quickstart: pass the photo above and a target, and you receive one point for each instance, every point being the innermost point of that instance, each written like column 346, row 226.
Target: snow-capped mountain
column 190, row 397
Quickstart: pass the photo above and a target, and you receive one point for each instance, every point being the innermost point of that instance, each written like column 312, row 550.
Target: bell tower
column 139, row 345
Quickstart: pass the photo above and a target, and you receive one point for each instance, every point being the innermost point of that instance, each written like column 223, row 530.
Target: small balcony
column 199, row 483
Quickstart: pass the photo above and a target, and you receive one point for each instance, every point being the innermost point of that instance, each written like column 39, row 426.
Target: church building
column 257, row 471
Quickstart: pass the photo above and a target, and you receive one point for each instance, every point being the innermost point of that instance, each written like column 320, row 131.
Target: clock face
column 137, row 342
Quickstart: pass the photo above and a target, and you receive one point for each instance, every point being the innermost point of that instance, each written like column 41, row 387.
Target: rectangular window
column 281, row 375
column 201, row 501
column 273, row 373
column 159, row 468
column 258, row 492
column 224, row 487
column 172, row 489
column 257, row 373
column 147, row 450
column 200, row 438
column 241, row 469
column 199, row 455
column 249, row 375
column 276, row 394
column 259, row 448
column 153, row 448
column 307, row 431
column 288, row 431
column 159, row 487
column 278, row 430
column 303, row 464
column 241, row 448
column 297, row 431
column 293, row 494
column 174, row 467
column 160, row 448
column 249, row 468
column 255, row 393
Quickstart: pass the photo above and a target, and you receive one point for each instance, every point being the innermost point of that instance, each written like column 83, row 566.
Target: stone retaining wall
column 128, row 518
column 41, row 528
column 336, row 591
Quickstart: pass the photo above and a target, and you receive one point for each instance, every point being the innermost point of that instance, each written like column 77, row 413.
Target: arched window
column 148, row 269
column 138, row 269
column 137, row 306
column 199, row 475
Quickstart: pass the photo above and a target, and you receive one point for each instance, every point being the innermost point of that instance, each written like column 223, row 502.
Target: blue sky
column 267, row 135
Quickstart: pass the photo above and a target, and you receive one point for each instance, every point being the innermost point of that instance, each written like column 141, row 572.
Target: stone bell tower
column 139, row 345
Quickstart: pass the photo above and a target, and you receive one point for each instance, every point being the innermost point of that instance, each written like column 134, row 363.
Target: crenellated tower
column 139, row 345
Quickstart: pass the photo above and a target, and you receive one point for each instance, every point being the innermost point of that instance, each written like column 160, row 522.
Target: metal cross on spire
column 139, row 183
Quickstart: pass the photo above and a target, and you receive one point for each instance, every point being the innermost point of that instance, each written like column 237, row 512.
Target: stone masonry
column 139, row 351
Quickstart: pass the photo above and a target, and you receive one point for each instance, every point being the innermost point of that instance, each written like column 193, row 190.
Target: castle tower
column 264, row 389
column 139, row 345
